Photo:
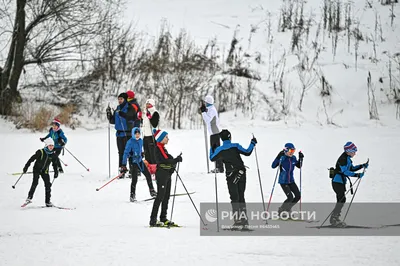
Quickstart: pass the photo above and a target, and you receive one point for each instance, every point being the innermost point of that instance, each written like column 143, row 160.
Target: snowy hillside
column 267, row 52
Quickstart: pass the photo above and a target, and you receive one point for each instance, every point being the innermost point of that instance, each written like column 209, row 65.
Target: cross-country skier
column 344, row 168
column 123, row 119
column 165, row 167
column 59, row 138
column 287, row 162
column 42, row 159
column 134, row 151
column 132, row 101
column 151, row 119
column 229, row 153
column 210, row 117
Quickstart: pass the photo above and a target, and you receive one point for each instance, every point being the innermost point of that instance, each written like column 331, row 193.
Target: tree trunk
column 14, row 64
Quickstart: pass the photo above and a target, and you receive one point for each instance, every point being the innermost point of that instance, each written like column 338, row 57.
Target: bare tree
column 373, row 109
column 45, row 32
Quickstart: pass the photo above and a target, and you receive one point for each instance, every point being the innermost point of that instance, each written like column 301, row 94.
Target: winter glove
column 238, row 176
column 254, row 141
column 149, row 116
column 178, row 159
column 359, row 175
column 61, row 142
column 25, row 169
column 139, row 115
column 108, row 112
column 123, row 169
column 42, row 139
column 55, row 173
column 301, row 155
column 203, row 108
column 365, row 165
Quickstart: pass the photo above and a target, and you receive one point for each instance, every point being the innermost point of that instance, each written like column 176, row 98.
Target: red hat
column 131, row 94
column 57, row 122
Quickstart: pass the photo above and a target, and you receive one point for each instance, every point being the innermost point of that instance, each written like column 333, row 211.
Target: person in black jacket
column 42, row 159
column 165, row 167
column 235, row 172
column 136, row 108
column 122, row 118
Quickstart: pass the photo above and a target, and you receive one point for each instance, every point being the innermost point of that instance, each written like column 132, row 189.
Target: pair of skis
column 57, row 207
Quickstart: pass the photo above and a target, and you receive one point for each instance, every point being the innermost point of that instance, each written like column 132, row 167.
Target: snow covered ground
column 105, row 229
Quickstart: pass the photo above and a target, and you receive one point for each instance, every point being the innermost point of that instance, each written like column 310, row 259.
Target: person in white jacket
column 210, row 117
column 151, row 120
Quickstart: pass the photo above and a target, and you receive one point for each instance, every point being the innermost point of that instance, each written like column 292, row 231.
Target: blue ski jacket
column 133, row 150
column 287, row 165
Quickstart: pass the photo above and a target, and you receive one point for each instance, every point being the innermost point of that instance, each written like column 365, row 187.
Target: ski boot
column 335, row 221
column 153, row 193
column 60, row 170
column 49, row 204
column 133, row 197
column 169, row 223
column 155, row 223
column 27, row 201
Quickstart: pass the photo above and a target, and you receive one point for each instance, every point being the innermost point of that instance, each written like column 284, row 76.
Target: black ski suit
column 42, row 158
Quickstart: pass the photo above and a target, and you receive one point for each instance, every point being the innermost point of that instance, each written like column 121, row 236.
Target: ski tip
column 88, row 169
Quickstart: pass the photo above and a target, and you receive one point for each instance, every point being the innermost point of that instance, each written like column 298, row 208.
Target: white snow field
column 106, row 229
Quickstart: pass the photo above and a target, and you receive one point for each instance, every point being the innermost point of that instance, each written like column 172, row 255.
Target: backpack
column 332, row 174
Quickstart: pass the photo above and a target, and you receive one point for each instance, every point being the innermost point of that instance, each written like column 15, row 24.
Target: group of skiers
column 150, row 157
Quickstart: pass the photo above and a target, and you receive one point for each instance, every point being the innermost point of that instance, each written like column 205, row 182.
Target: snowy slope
column 105, row 229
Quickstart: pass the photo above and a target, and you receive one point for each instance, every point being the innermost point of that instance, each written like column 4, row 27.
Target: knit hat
column 225, row 134
column 48, row 141
column 159, row 135
column 57, row 122
column 209, row 99
column 130, row 94
column 134, row 130
column 123, row 95
column 151, row 101
column 350, row 147
column 289, row 146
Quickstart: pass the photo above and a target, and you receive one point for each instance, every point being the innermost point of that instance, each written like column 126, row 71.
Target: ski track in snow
column 105, row 229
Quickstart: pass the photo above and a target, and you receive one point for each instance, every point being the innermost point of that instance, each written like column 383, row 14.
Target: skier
column 42, row 158
column 344, row 168
column 134, row 150
column 122, row 118
column 286, row 162
column 229, row 153
column 150, row 121
column 165, row 167
column 59, row 138
column 210, row 117
column 132, row 101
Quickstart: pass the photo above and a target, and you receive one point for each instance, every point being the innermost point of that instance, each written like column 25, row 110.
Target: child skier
column 134, row 150
column 344, row 168
column 165, row 167
column 286, row 162
column 57, row 134
column 235, row 172
column 42, row 158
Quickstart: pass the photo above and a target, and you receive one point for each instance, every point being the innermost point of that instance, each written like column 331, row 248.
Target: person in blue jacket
column 343, row 169
column 287, row 161
column 235, row 172
column 134, row 151
column 59, row 138
column 123, row 118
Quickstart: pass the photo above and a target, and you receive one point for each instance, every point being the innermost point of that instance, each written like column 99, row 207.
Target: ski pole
column 62, row 162
column 109, row 149
column 52, row 181
column 206, row 146
column 87, row 169
column 273, row 186
column 301, row 166
column 17, row 180
column 173, row 199
column 187, row 192
column 216, row 196
column 339, row 201
column 118, row 176
column 259, row 177
column 352, row 198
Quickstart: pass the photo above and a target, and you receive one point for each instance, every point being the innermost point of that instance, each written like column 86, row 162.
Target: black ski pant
column 58, row 152
column 135, row 169
column 290, row 190
column 236, row 193
column 340, row 190
column 163, row 179
column 121, row 143
column 215, row 140
column 148, row 146
column 47, row 185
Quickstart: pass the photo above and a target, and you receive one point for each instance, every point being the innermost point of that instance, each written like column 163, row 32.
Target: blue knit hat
column 350, row 147
column 289, row 146
column 159, row 135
